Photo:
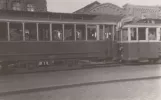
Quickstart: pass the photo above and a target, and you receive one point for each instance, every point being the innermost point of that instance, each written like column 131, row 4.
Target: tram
column 45, row 36
column 141, row 40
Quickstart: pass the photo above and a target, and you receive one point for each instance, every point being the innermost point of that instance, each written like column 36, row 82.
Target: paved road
column 132, row 90
column 51, row 79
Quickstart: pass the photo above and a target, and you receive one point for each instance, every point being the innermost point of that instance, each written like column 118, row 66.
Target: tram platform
column 54, row 79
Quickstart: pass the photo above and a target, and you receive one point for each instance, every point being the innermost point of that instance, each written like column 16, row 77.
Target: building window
column 16, row 6
column 2, row 4
column 30, row 7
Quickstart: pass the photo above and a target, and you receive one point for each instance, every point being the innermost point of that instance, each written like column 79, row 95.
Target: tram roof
column 57, row 16
column 148, row 21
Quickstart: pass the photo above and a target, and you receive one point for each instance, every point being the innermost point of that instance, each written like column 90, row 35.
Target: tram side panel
column 125, row 53
column 53, row 50
column 159, row 45
column 115, row 50
column 154, row 48
column 141, row 50
column 133, row 53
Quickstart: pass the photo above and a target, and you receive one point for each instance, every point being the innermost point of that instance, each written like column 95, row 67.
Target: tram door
column 153, row 40
column 143, row 48
column 116, row 45
column 133, row 44
column 109, row 33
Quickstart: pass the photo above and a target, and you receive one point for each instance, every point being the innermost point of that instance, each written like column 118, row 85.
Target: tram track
column 82, row 67
column 51, row 88
column 53, row 69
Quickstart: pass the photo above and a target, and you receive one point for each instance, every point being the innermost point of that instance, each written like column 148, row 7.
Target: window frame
column 16, row 5
column 47, row 22
column 136, row 34
column 127, row 34
column 146, row 35
column 156, row 30
column 30, row 7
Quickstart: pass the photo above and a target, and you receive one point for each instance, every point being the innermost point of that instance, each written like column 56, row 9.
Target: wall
column 40, row 5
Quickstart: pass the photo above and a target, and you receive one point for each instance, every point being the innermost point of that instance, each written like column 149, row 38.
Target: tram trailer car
column 141, row 40
column 37, row 36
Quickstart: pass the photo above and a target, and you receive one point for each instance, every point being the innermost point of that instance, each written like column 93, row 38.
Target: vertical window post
column 129, row 34
column 8, row 28
column 113, row 32
column 23, row 31
column 137, row 35
column 86, row 32
column 98, row 32
column 75, row 34
column 121, row 35
column 158, row 34
column 146, row 35
column 51, row 37
column 63, row 31
column 103, row 32
column 37, row 30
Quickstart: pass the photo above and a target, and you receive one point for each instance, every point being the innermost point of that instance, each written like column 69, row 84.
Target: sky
column 69, row 6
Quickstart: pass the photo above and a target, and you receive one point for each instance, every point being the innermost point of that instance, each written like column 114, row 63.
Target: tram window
column 16, row 32
column 92, row 32
column 69, row 32
column 108, row 31
column 115, row 35
column 124, row 34
column 142, row 33
column 152, row 35
column 119, row 35
column 160, row 34
column 3, row 30
column 80, row 32
column 44, row 32
column 101, row 32
column 133, row 33
column 57, row 32
column 30, row 32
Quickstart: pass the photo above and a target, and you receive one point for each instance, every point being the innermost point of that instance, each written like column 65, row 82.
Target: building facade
column 142, row 11
column 137, row 11
column 24, row 5
column 98, row 8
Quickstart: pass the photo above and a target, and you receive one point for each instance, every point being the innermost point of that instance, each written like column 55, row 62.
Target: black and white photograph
column 80, row 49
